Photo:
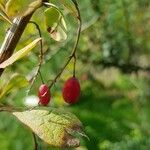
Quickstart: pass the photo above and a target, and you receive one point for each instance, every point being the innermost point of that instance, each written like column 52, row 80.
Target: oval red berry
column 44, row 94
column 71, row 90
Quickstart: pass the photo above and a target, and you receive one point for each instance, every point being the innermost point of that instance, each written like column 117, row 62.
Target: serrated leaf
column 21, row 7
column 21, row 53
column 17, row 81
column 55, row 24
column 70, row 6
column 51, row 125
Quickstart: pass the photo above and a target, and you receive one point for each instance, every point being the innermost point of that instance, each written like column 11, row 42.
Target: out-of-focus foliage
column 114, row 107
column 16, row 82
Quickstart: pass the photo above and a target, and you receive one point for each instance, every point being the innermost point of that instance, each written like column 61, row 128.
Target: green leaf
column 52, row 125
column 21, row 53
column 70, row 6
column 3, row 14
column 55, row 24
column 32, row 7
column 16, row 82
column 21, row 7
column 5, row 18
column 52, row 16
column 2, row 6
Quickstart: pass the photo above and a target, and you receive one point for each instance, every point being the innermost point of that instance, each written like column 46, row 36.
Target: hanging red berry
column 71, row 90
column 44, row 94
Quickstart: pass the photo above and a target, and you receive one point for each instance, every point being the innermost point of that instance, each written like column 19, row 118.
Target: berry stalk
column 73, row 53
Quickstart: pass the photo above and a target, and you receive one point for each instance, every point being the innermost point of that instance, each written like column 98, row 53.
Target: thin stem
column 79, row 29
column 9, row 108
column 74, row 66
column 35, row 141
column 78, row 36
column 6, row 18
column 73, row 53
column 61, row 71
column 38, row 72
column 41, row 76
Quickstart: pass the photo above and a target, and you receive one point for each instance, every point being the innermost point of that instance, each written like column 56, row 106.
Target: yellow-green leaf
column 20, row 7
column 2, row 6
column 3, row 2
column 16, row 82
column 3, row 14
column 5, row 18
column 21, row 53
column 52, row 16
column 52, row 125
column 70, row 6
column 55, row 24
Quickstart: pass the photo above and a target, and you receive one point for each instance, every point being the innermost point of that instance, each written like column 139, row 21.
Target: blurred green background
column 114, row 106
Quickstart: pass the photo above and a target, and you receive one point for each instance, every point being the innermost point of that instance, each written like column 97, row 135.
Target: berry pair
column 70, row 92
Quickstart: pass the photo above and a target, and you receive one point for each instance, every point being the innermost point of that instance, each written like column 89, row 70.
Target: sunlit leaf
column 21, row 53
column 16, row 82
column 59, row 34
column 3, row 14
column 2, row 6
column 5, row 18
column 20, row 7
column 70, row 6
column 55, row 24
column 32, row 7
column 52, row 126
column 3, row 2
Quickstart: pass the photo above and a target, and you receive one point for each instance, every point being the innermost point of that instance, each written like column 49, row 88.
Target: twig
column 35, row 141
column 5, row 109
column 12, row 38
column 6, row 18
column 9, row 108
column 61, row 71
column 40, row 56
column 78, row 36
column 73, row 53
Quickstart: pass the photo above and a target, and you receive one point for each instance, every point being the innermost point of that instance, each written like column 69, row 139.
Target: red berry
column 44, row 94
column 71, row 90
